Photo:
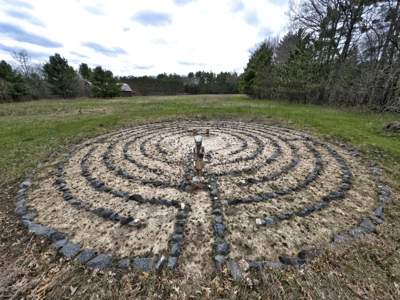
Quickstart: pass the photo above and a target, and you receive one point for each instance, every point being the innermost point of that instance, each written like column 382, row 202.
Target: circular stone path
column 272, row 196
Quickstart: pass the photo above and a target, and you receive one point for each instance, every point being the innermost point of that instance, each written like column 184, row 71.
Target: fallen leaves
column 73, row 290
column 356, row 290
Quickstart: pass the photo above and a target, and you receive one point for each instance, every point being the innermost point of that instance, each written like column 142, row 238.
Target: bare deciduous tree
column 338, row 52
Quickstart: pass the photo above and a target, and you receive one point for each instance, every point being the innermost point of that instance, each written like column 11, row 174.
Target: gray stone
column 97, row 183
column 320, row 206
column 341, row 238
column 357, row 232
column 57, row 235
column 186, row 208
column 385, row 193
column 345, row 186
column 234, row 270
column 70, row 250
column 21, row 196
column 385, row 199
column 29, row 216
column 247, row 200
column 376, row 171
column 270, row 221
column 295, row 262
column 21, row 202
column 67, row 196
column 219, row 219
column 224, row 202
column 120, row 194
column 289, row 214
column 172, row 262
column 219, row 260
column 217, row 204
column 85, row 256
column 214, row 193
column 26, row 222
column 303, row 213
column 252, row 180
column 25, row 184
column 98, row 211
column 124, row 221
column 180, row 222
column 217, row 211
column 178, row 229
column 368, row 225
column 177, row 238
column 175, row 250
column 144, row 264
column 101, row 262
column 181, row 215
column 136, row 197
column 188, row 188
column 257, row 198
column 273, row 265
column 21, row 209
column 384, row 187
column 124, row 264
column 59, row 244
column 378, row 212
column 276, row 219
column 377, row 220
column 40, row 229
column 282, row 216
column 115, row 217
column 219, row 229
column 107, row 213
column 222, row 249
column 256, row 265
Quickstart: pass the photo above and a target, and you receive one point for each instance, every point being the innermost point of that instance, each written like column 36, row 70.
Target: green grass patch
column 31, row 131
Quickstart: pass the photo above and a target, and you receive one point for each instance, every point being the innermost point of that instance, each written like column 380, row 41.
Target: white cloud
column 251, row 18
column 173, row 37
column 236, row 5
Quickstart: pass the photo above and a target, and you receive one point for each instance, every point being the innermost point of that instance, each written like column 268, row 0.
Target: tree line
column 200, row 82
column 53, row 79
column 57, row 79
column 337, row 52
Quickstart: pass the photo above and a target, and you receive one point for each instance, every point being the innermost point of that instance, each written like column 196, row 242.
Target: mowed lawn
column 31, row 131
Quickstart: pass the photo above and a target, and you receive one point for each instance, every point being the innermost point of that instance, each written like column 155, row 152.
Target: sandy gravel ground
column 224, row 144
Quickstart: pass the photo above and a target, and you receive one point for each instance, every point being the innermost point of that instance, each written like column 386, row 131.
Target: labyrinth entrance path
column 126, row 198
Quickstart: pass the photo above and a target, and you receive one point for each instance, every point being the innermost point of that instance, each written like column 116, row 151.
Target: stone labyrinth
column 271, row 194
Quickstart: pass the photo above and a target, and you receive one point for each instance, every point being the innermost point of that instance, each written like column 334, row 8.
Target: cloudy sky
column 141, row 37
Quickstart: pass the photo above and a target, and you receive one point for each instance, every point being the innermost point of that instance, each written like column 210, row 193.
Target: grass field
column 29, row 132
